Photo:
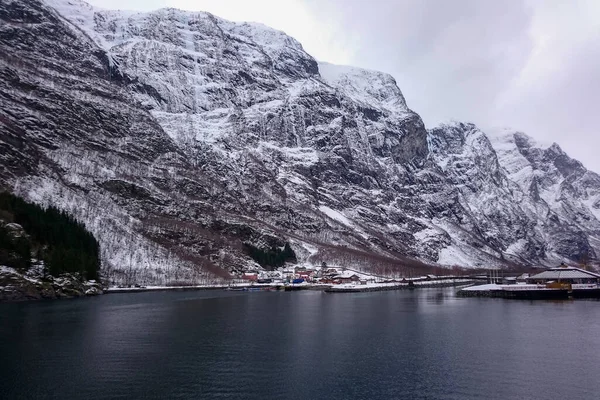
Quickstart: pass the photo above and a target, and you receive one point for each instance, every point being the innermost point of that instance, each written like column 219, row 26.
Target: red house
column 345, row 278
column 250, row 276
column 307, row 274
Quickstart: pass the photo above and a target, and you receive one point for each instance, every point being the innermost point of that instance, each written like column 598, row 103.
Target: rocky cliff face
column 561, row 194
column 179, row 137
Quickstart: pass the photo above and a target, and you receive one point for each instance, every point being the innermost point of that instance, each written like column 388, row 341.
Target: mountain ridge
column 219, row 141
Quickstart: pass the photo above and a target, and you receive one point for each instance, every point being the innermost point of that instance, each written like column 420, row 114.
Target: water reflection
column 424, row 343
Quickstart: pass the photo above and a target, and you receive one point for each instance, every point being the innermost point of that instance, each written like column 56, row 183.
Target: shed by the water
column 566, row 274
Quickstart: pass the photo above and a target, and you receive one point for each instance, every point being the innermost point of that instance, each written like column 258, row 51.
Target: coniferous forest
column 271, row 258
column 51, row 235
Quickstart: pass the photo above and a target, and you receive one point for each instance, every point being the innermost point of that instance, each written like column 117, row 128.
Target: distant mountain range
column 182, row 140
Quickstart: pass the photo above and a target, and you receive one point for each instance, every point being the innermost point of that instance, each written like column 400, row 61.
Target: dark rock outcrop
column 34, row 284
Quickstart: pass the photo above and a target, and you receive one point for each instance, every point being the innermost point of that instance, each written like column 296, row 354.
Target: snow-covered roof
column 566, row 273
column 346, row 274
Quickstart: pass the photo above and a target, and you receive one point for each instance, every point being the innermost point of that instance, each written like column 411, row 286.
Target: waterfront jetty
column 525, row 292
column 395, row 285
column 562, row 282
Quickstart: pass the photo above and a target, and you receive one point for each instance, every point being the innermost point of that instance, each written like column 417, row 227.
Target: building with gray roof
column 566, row 274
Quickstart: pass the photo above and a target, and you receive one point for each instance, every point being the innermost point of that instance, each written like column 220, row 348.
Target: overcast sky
column 533, row 65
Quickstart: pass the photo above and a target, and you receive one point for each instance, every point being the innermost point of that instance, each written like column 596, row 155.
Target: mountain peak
column 555, row 148
column 370, row 88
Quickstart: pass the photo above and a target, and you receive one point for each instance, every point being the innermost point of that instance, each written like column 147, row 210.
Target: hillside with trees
column 29, row 231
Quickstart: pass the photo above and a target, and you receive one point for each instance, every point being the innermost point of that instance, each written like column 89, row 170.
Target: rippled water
column 421, row 344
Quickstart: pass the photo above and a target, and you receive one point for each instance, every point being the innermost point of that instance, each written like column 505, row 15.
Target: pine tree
column 62, row 242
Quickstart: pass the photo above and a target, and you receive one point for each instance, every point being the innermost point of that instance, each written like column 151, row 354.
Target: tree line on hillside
column 271, row 258
column 53, row 236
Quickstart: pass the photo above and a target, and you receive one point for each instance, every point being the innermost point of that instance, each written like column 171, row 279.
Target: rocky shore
column 36, row 284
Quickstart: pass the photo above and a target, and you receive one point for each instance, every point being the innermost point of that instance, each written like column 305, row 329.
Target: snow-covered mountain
column 180, row 139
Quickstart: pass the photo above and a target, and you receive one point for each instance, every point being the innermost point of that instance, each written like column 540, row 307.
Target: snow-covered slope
column 179, row 138
column 563, row 193
column 365, row 87
column 509, row 188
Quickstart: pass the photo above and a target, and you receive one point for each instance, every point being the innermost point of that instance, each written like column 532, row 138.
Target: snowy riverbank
column 350, row 287
column 35, row 284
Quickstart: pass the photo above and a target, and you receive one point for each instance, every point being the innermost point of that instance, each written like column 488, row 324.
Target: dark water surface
column 421, row 344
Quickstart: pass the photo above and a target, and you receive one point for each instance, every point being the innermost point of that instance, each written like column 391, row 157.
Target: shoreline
column 530, row 292
column 342, row 288
column 12, row 293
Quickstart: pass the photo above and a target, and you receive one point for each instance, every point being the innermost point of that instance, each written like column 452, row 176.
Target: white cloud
column 555, row 95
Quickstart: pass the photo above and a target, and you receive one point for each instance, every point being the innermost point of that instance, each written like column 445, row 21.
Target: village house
column 250, row 276
column 328, row 274
column 270, row 274
column 566, row 275
column 328, row 280
column 345, row 277
column 306, row 274
column 287, row 273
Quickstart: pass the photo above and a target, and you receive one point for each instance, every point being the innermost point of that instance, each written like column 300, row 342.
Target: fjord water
column 421, row 344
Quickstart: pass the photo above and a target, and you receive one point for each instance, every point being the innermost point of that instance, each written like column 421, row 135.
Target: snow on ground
column 295, row 155
column 465, row 256
column 594, row 241
column 383, row 285
column 426, row 234
column 4, row 270
column 310, row 248
column 516, row 247
column 483, row 288
column 370, row 88
column 304, row 253
column 503, row 138
column 454, row 255
column 297, row 88
column 293, row 178
column 551, row 195
column 82, row 14
column 339, row 217
column 208, row 127
column 589, row 203
column 336, row 215
column 518, row 167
